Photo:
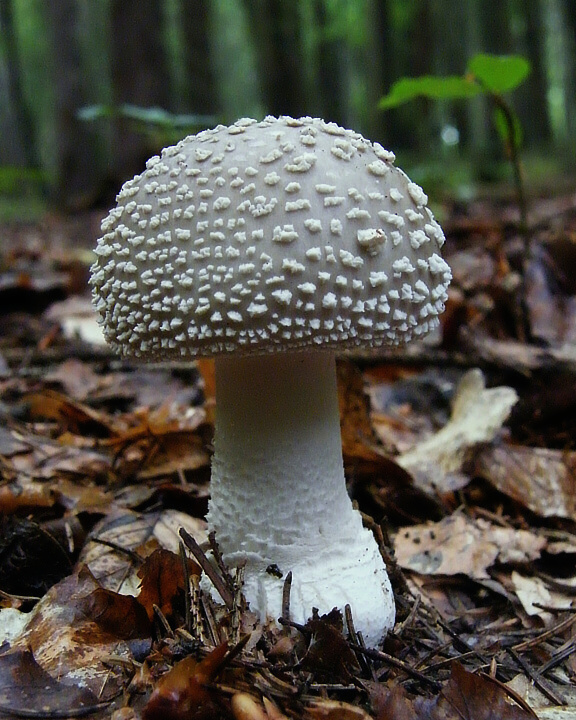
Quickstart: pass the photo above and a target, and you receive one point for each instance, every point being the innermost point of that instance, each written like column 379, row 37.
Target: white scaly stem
column 278, row 493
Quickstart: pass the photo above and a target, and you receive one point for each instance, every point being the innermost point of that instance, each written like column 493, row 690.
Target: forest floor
column 462, row 449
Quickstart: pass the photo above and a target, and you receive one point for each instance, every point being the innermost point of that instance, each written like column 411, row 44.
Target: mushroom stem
column 278, row 494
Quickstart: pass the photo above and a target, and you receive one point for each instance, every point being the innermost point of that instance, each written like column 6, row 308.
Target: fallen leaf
column 477, row 416
column 182, row 693
column 163, row 580
column 27, row 690
column 535, row 595
column 72, row 415
column 541, row 479
column 69, row 645
column 465, row 696
column 458, row 544
column 328, row 654
column 119, row 544
column 121, row 616
column 358, row 440
column 76, row 378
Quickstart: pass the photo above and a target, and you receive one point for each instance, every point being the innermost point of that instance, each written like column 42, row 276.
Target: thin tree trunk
column 531, row 97
column 330, row 81
column 275, row 29
column 24, row 144
column 76, row 186
column 201, row 93
column 139, row 75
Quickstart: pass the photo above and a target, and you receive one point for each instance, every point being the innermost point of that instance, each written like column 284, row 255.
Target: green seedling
column 492, row 76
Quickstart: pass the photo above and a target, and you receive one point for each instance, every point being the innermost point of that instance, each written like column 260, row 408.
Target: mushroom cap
column 266, row 236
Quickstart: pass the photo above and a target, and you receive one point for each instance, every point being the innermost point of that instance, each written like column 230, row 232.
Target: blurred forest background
column 90, row 88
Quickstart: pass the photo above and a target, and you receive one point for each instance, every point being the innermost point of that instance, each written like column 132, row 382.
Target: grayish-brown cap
column 265, row 236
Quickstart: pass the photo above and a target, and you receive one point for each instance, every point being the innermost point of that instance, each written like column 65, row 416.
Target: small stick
column 286, row 596
column 221, row 588
column 391, row 660
column 540, row 684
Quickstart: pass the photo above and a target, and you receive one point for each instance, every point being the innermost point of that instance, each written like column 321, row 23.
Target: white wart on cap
column 263, row 236
column 271, row 245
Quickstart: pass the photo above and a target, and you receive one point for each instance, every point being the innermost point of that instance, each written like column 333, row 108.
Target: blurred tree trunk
column 275, row 29
column 570, row 15
column 531, row 97
column 201, row 92
column 75, row 184
column 139, row 75
column 329, row 81
column 496, row 25
column 18, row 141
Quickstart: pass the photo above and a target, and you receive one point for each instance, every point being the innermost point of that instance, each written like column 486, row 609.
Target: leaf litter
column 461, row 450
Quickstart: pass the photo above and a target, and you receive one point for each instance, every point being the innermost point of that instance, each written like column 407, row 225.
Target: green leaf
column 437, row 88
column 499, row 73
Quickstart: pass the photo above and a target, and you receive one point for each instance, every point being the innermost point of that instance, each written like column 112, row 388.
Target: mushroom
column 271, row 246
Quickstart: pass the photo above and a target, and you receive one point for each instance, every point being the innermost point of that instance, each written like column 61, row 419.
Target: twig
column 286, row 596
column 555, row 630
column 398, row 664
column 162, row 620
column 541, row 684
column 220, row 586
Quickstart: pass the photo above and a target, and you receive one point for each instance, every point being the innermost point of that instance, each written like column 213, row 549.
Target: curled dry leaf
column 163, row 581
column 458, row 544
column 477, row 415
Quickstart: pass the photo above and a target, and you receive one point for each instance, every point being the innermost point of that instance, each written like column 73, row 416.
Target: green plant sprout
column 492, row 76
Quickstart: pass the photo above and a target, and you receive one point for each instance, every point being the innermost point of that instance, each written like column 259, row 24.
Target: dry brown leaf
column 25, row 493
column 69, row 645
column 111, row 552
column 465, row 696
column 535, row 594
column 121, row 541
column 477, row 416
column 329, row 655
column 176, row 452
column 121, row 616
column 27, row 690
column 458, row 544
column 163, row 580
column 71, row 415
column 541, row 479
column 183, row 693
